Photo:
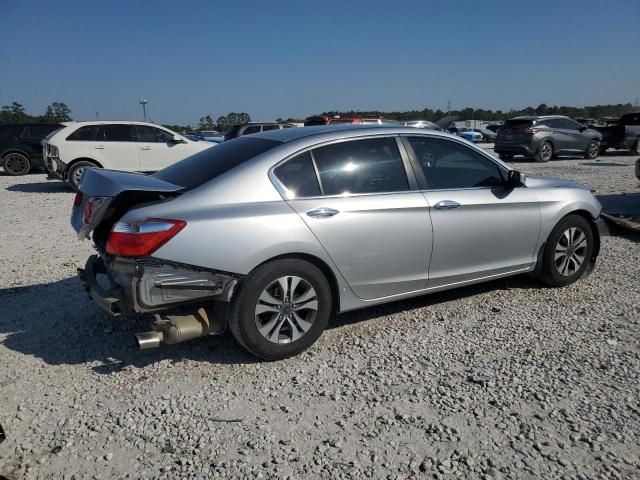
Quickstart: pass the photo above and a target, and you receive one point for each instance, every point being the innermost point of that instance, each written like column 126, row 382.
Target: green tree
column 13, row 113
column 57, row 112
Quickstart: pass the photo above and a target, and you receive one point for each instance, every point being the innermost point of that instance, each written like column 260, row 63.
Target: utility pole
column 97, row 116
column 448, row 106
column 144, row 102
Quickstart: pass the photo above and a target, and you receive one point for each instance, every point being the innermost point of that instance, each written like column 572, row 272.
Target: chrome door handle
column 446, row 205
column 322, row 212
column 145, row 148
column 99, row 147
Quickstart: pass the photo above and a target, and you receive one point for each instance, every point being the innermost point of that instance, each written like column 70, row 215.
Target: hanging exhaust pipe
column 147, row 340
column 173, row 329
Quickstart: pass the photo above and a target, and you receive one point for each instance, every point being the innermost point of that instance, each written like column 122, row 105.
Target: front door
column 156, row 148
column 375, row 228
column 481, row 227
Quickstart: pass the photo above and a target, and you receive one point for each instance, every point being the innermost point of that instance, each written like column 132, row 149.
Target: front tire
column 568, row 252
column 16, row 164
column 592, row 151
column 507, row 157
column 281, row 309
column 544, row 153
column 635, row 150
column 74, row 175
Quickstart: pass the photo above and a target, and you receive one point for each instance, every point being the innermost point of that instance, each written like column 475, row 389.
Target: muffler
column 171, row 329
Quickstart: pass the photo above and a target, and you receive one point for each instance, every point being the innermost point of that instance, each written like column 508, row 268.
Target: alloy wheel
column 286, row 309
column 546, row 151
column 16, row 164
column 77, row 175
column 594, row 149
column 570, row 251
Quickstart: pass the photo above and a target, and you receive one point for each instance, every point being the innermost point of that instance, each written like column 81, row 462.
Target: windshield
column 197, row 169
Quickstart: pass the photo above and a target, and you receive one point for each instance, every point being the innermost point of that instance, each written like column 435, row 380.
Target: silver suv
column 271, row 234
column 545, row 137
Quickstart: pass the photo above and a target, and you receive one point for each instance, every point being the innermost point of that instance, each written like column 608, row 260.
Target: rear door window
column 298, row 176
column 270, row 127
column 84, row 133
column 447, row 164
column 371, row 165
column 118, row 133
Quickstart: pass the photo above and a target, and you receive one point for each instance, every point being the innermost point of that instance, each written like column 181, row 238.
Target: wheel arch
column 15, row 150
column 326, row 270
column 81, row 159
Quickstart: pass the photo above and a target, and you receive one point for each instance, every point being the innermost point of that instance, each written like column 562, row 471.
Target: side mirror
column 516, row 179
column 177, row 139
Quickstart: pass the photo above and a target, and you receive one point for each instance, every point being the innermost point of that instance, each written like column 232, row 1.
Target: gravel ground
column 502, row 380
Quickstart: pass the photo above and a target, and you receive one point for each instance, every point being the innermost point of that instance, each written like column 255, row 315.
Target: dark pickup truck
column 621, row 135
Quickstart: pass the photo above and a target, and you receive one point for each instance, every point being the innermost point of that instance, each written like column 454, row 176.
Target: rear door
column 480, row 227
column 156, row 148
column 365, row 211
column 115, row 147
column 567, row 136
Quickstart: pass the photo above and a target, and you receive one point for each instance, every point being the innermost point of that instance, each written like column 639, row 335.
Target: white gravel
column 502, row 380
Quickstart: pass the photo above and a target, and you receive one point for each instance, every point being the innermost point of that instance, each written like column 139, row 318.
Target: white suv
column 127, row 146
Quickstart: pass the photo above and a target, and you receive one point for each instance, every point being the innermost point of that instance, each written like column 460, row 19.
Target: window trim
column 412, row 181
column 422, row 181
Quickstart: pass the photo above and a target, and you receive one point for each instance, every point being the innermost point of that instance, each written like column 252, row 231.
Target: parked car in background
column 623, row 134
column 20, row 146
column 318, row 120
column 422, row 124
column 544, row 137
column 212, row 136
column 253, row 127
column 494, row 127
column 127, row 146
column 487, row 135
column 466, row 133
column 270, row 235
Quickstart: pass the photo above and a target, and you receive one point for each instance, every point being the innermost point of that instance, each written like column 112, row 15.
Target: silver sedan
column 270, row 235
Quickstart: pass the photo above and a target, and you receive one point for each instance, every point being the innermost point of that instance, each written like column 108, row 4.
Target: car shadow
column 41, row 187
column 59, row 324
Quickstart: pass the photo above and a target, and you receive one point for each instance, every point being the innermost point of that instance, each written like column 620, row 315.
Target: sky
column 297, row 58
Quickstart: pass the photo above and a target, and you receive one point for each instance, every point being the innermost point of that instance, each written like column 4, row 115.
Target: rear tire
column 635, row 150
column 281, row 309
column 567, row 255
column 16, row 164
column 544, row 153
column 74, row 175
column 593, row 150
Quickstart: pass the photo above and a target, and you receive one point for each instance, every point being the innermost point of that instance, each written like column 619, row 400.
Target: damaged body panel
column 125, row 285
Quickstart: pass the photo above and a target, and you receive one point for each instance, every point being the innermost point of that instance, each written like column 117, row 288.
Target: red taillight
column 532, row 130
column 77, row 199
column 140, row 239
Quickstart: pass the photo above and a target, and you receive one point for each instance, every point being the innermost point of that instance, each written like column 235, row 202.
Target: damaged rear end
column 124, row 276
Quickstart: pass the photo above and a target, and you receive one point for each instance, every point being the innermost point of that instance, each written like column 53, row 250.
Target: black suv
column 20, row 148
column 545, row 137
column 253, row 127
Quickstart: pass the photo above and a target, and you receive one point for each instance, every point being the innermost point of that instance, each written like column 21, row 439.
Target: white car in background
column 114, row 145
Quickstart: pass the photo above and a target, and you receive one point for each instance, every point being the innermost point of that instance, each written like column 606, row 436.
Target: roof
column 290, row 134
column 537, row 117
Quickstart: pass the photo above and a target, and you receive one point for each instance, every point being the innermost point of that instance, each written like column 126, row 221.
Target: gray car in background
column 544, row 137
column 272, row 234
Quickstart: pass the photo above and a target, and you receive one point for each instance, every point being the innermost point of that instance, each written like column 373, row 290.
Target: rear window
column 518, row 124
column 84, row 133
column 197, row 169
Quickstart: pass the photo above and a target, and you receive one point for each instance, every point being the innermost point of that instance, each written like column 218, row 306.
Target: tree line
column 15, row 113
column 60, row 112
column 596, row 112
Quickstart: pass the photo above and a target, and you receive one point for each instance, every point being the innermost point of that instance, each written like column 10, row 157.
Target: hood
column 544, row 181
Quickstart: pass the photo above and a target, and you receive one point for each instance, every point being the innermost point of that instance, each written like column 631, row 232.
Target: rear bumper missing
column 122, row 285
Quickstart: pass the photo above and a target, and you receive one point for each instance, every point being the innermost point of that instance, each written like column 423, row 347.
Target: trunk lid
column 106, row 194
column 515, row 131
